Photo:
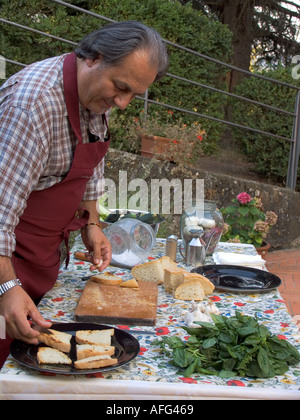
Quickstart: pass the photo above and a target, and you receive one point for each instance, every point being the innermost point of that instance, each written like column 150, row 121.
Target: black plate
column 233, row 278
column 127, row 348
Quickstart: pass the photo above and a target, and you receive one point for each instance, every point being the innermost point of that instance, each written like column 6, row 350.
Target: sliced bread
column 50, row 356
column 95, row 362
column 190, row 290
column 130, row 283
column 95, row 337
column 107, row 278
column 57, row 340
column 86, row 350
column 206, row 284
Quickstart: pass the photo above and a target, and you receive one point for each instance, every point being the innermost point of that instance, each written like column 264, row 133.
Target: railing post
column 291, row 179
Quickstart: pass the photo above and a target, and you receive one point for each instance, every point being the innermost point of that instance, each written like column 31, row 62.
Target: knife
column 40, row 329
column 139, row 332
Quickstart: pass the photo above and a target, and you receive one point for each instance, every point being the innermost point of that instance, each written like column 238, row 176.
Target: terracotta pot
column 155, row 146
column 264, row 249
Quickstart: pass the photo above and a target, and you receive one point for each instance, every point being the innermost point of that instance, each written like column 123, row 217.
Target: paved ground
column 286, row 265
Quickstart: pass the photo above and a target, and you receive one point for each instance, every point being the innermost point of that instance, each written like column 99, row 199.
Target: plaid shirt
column 36, row 142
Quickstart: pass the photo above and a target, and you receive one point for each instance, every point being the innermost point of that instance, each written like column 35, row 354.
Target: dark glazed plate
column 232, row 278
column 127, row 348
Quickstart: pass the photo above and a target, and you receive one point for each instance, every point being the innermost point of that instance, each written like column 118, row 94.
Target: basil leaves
column 231, row 346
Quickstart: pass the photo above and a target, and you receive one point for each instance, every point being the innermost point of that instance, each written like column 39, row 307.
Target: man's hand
column 98, row 246
column 17, row 307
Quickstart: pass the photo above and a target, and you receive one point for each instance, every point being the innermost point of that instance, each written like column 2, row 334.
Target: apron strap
column 71, row 93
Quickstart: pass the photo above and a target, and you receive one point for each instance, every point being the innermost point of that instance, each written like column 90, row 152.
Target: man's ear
column 90, row 62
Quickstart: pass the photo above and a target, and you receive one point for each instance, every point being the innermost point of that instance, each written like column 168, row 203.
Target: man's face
column 101, row 88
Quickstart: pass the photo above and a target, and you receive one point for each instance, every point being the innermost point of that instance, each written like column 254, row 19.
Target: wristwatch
column 9, row 285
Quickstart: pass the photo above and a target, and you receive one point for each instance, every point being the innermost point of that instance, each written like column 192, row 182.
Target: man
column 53, row 137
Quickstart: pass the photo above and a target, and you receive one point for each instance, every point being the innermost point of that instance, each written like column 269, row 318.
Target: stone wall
column 219, row 188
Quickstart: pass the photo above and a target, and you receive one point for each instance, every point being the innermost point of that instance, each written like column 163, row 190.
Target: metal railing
column 295, row 138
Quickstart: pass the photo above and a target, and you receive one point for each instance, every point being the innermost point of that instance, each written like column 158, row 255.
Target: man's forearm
column 7, row 271
column 91, row 206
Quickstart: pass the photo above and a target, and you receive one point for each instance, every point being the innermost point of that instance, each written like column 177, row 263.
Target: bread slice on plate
column 190, row 290
column 87, row 350
column 49, row 356
column 95, row 362
column 57, row 340
column 95, row 337
column 107, row 278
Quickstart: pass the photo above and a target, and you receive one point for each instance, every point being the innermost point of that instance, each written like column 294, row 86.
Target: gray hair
column 113, row 42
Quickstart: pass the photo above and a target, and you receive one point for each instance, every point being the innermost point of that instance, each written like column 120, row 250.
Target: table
column 150, row 376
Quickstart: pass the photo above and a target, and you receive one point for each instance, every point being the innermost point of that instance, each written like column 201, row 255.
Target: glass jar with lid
column 205, row 217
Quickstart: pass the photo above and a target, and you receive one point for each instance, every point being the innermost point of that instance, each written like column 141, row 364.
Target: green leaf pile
column 231, row 346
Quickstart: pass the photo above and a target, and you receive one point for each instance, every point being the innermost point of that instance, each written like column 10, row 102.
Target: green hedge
column 269, row 154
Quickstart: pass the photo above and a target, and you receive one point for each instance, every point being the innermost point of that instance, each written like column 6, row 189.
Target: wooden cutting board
column 105, row 304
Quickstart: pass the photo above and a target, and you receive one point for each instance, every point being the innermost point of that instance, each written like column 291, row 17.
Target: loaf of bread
column 86, row 350
column 57, row 340
column 153, row 271
column 50, row 356
column 173, row 278
column 190, row 290
column 107, row 278
column 95, row 362
column 95, row 337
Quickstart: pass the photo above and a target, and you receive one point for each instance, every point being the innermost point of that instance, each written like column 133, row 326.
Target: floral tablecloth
column 151, row 366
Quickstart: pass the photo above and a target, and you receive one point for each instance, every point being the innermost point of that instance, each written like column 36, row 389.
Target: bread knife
column 40, row 329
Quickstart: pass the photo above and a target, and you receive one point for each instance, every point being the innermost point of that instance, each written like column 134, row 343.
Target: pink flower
column 244, row 198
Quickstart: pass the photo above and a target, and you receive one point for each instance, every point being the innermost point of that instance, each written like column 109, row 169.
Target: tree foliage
column 269, row 28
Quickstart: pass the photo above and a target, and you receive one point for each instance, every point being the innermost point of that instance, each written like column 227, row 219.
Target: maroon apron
column 51, row 214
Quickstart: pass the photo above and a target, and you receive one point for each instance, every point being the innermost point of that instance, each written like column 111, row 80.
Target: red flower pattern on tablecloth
column 214, row 298
column 188, row 380
column 142, row 351
column 58, row 299
column 162, row 331
column 235, row 383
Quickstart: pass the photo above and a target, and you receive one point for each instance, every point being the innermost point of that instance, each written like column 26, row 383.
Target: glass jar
column 131, row 242
column 207, row 219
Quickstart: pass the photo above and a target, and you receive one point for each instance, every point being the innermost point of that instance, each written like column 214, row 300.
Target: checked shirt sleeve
column 21, row 163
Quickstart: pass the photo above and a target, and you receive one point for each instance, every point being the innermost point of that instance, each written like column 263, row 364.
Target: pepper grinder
column 171, row 247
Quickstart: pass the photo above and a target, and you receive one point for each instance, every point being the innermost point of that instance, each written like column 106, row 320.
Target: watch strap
column 9, row 285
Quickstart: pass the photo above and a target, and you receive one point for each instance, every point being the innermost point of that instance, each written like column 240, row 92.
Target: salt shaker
column 171, row 247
